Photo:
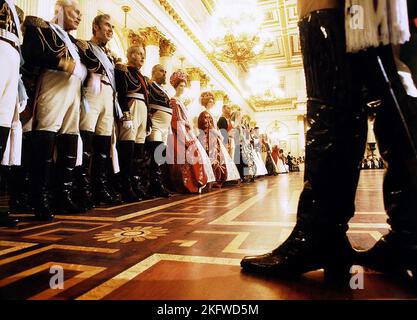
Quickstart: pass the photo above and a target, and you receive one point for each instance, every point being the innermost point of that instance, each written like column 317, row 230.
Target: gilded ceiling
column 281, row 19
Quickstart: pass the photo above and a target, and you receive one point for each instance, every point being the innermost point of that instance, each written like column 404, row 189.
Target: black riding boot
column 20, row 182
column 337, row 133
column 67, row 145
column 125, row 150
column 102, row 193
column 139, row 172
column 5, row 220
column 156, row 188
column 397, row 251
column 82, row 173
column 42, row 169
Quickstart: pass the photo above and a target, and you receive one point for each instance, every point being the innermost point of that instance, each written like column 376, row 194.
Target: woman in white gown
column 242, row 152
column 282, row 166
column 262, row 171
column 260, row 165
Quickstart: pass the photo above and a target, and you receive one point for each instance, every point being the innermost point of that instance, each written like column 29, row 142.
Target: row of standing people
column 96, row 131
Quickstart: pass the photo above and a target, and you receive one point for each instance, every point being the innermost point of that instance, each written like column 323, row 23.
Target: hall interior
column 190, row 246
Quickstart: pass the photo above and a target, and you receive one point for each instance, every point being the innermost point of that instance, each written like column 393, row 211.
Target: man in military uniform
column 53, row 74
column 342, row 79
column 19, row 182
column 133, row 93
column 161, row 115
column 97, row 119
column 10, row 61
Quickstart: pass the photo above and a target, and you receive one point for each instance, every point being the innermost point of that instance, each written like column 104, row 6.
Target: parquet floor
column 188, row 247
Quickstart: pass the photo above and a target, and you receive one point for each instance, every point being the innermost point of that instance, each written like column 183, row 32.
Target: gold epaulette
column 121, row 67
column 82, row 44
column 35, row 22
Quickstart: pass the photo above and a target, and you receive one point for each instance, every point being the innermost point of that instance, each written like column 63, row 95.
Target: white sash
column 15, row 17
column 109, row 68
column 107, row 64
column 63, row 35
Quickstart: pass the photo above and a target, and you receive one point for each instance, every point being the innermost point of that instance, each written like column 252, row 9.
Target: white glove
column 149, row 132
column 408, row 83
column 80, row 71
column 128, row 125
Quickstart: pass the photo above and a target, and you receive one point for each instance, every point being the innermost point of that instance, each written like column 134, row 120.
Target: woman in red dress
column 185, row 161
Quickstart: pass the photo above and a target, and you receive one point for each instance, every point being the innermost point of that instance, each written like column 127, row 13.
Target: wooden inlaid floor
column 188, row 247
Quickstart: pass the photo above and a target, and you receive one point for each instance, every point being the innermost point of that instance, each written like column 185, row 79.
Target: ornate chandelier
column 236, row 32
column 267, row 90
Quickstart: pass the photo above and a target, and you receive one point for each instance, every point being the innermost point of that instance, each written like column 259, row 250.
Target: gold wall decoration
column 226, row 99
column 151, row 35
column 166, row 48
column 174, row 15
column 235, row 108
column 210, row 5
column 204, row 81
column 194, row 74
column 219, row 95
column 135, row 39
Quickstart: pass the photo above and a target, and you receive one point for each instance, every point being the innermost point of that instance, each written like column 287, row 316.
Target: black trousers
column 339, row 87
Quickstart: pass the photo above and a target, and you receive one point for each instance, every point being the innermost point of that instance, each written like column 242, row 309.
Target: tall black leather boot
column 82, row 173
column 125, row 150
column 139, row 172
column 102, row 193
column 5, row 219
column 20, row 182
column 67, row 145
column 156, row 187
column 42, row 169
column 397, row 251
column 337, row 134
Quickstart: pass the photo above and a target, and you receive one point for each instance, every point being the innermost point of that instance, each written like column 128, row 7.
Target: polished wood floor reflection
column 187, row 247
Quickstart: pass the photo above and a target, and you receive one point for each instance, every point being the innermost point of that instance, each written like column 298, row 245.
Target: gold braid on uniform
column 5, row 10
column 66, row 63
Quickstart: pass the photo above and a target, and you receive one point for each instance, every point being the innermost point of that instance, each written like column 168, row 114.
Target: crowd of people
column 372, row 162
column 80, row 129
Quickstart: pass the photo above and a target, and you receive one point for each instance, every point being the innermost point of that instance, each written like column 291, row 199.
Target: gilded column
column 151, row 37
column 194, row 76
column 195, row 108
column 220, row 100
column 204, row 81
column 166, row 51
